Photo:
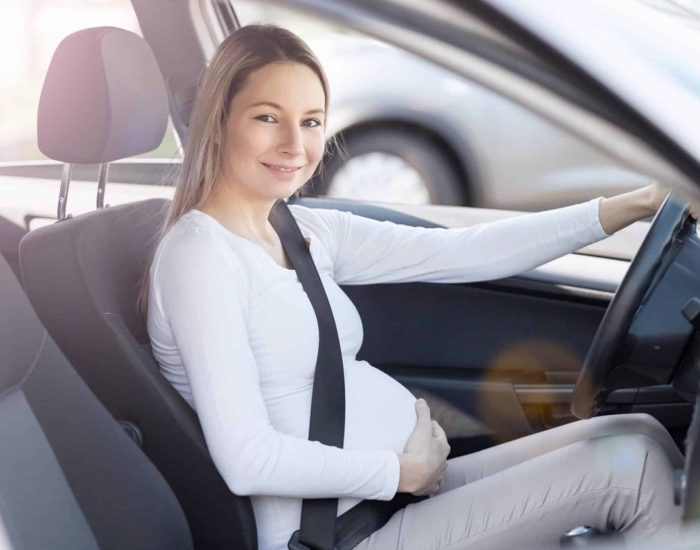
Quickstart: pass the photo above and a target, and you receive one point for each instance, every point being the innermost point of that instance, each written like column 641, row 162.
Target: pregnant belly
column 380, row 412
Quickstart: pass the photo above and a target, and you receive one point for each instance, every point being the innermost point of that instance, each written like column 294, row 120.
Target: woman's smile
column 286, row 173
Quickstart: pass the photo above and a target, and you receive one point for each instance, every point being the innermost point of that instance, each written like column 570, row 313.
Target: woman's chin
column 284, row 191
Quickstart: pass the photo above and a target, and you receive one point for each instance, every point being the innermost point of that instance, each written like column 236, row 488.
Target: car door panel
column 470, row 327
column 475, row 353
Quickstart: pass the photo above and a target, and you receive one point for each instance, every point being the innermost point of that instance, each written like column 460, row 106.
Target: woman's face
column 275, row 133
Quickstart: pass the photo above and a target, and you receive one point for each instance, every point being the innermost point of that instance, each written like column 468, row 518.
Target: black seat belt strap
column 327, row 424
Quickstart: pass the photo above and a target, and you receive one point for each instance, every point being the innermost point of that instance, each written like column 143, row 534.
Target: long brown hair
column 245, row 50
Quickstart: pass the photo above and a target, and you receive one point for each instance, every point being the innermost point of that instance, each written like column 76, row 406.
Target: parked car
column 496, row 360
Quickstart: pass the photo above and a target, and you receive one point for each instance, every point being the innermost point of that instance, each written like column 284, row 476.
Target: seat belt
column 318, row 529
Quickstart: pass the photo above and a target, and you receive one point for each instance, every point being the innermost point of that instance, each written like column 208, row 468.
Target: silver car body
column 513, row 158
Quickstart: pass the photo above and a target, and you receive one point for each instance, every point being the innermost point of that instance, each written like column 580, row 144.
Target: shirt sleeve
column 366, row 251
column 202, row 292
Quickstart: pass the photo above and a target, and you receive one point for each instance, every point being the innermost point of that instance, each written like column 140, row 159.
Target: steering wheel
column 590, row 392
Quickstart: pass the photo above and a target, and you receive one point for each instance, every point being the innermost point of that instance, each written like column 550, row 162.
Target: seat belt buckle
column 294, row 543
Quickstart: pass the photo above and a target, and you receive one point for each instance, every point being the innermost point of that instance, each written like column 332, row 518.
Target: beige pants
column 612, row 472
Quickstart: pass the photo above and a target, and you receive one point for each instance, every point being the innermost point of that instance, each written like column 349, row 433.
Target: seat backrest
column 81, row 275
column 70, row 478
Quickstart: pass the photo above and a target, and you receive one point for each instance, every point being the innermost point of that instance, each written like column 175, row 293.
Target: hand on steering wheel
column 590, row 391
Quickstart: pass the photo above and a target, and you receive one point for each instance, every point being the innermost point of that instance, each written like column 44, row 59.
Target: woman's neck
column 241, row 215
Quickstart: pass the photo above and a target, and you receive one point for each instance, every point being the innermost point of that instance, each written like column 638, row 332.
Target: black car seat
column 81, row 273
column 10, row 235
column 70, row 478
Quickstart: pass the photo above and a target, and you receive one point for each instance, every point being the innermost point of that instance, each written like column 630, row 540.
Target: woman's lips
column 282, row 172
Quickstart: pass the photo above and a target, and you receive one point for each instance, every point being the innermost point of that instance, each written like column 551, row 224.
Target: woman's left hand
column 621, row 210
column 657, row 195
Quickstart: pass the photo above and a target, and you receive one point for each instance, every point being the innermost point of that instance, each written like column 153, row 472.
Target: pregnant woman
column 235, row 333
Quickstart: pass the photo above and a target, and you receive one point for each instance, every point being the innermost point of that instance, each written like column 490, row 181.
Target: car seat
column 70, row 478
column 103, row 99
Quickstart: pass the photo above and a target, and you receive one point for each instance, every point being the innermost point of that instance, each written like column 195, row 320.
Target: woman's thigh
column 476, row 466
column 621, row 482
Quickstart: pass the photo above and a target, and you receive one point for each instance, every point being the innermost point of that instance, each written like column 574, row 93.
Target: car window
column 414, row 133
column 29, row 34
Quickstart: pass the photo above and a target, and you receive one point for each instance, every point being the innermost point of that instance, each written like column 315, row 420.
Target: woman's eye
column 266, row 118
column 312, row 123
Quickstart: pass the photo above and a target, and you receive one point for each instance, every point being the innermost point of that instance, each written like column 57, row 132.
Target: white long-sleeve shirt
column 234, row 332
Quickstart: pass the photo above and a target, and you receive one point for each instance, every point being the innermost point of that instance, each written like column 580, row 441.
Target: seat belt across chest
column 319, row 529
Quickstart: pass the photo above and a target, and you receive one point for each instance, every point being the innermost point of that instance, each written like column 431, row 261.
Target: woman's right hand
column 424, row 458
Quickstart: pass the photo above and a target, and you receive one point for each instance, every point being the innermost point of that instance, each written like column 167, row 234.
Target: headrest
column 103, row 98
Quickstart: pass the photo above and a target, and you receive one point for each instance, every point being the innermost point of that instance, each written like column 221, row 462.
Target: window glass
column 30, row 31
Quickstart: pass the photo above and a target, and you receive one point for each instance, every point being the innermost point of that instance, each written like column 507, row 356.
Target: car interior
column 102, row 452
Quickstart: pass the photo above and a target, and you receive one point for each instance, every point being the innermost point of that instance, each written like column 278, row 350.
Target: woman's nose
column 291, row 141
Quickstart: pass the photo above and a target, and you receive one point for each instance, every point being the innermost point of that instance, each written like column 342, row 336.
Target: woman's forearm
column 621, row 210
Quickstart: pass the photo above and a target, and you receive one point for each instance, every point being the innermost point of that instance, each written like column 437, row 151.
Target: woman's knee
column 635, row 423
column 627, row 423
column 645, row 423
